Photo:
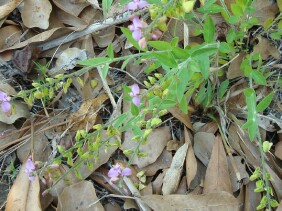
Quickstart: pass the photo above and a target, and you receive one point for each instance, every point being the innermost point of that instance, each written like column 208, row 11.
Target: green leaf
column 180, row 53
column 204, row 63
column 226, row 48
column 237, row 10
column 266, row 146
column 251, row 123
column 105, row 70
column 231, row 35
column 182, row 81
column 160, row 45
column 223, row 88
column 106, row 5
column 134, row 110
column 209, row 30
column 265, row 103
column 110, row 51
column 258, row 77
column 166, row 58
column 183, row 105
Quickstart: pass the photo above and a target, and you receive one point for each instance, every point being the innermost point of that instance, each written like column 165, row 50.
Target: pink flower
column 115, row 172
column 136, row 27
column 30, row 169
column 5, row 104
column 137, row 4
column 135, row 91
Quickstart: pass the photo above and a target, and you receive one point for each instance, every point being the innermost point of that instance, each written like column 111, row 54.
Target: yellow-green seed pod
column 94, row 83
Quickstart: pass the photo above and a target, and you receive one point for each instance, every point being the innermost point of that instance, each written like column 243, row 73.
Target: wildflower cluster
column 5, row 102
column 30, row 169
column 116, row 171
column 138, row 26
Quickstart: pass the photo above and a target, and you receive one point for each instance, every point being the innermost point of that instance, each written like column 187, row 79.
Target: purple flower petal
column 132, row 6
column 135, row 89
column 3, row 96
column 137, row 23
column 30, row 166
column 126, row 172
column 114, row 171
column 137, row 34
column 136, row 100
column 6, row 106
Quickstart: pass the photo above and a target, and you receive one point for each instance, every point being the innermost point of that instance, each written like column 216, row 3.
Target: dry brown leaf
column 154, row 145
column 266, row 48
column 200, row 175
column 233, row 138
column 182, row 188
column 279, row 208
column 104, row 37
column 172, row 145
column 24, row 194
column 203, row 144
column 191, row 162
column 9, row 35
column 234, row 70
column 278, row 150
column 87, row 113
column 42, row 149
column 22, row 111
column 172, row 176
column 38, row 38
column 36, row 13
column 70, row 7
column 78, row 197
column 265, row 10
column 252, row 199
column 184, row 118
column 222, row 201
column 6, row 139
column 112, row 206
column 7, row 8
column 241, row 166
column 104, row 156
column 69, row 19
column 158, row 182
column 67, row 60
column 217, row 175
column 210, row 127
column 163, row 161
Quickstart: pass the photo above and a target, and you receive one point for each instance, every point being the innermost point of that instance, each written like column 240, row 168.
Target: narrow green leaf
column 160, row 45
column 209, row 30
column 265, row 102
column 258, row 78
column 183, row 78
column 106, row 5
column 223, row 88
column 110, row 51
column 105, row 70
column 251, row 123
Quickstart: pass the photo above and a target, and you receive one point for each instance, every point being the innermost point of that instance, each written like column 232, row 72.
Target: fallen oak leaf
column 213, row 202
column 24, row 194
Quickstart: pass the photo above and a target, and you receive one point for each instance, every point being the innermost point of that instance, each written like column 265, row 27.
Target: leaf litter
column 187, row 164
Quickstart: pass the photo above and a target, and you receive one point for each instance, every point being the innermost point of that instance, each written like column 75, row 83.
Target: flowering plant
column 5, row 102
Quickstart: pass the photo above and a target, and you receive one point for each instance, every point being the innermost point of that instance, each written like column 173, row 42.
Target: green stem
column 264, row 172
